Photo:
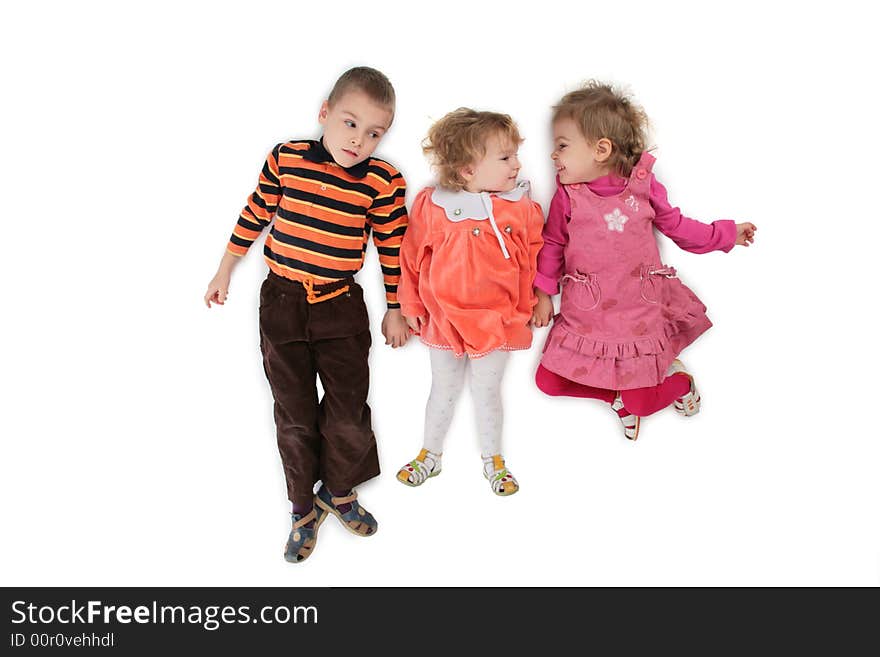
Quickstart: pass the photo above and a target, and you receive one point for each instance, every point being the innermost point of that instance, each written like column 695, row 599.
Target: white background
column 138, row 443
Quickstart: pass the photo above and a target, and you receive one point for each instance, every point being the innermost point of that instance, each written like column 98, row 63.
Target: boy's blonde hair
column 459, row 139
column 601, row 111
column 363, row 78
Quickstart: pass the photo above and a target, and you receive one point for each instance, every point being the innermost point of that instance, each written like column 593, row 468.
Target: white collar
column 463, row 205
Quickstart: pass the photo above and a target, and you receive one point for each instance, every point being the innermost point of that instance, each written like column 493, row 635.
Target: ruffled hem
column 472, row 354
column 626, row 365
column 476, row 343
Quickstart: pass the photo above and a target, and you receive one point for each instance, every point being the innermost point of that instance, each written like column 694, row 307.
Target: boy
column 326, row 196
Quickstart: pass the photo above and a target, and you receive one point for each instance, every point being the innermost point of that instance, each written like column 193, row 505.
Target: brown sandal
column 302, row 539
column 357, row 519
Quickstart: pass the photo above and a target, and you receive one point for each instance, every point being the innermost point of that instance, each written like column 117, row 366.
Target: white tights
column 447, row 381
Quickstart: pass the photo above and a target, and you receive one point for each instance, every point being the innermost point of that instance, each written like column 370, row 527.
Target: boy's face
column 576, row 159
column 353, row 127
column 497, row 170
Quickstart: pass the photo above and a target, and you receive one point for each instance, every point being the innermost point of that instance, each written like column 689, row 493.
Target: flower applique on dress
column 615, row 220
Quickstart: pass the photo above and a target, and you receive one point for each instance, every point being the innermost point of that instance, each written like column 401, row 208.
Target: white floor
column 137, row 436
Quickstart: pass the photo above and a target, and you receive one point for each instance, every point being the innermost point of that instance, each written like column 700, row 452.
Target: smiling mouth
column 348, row 152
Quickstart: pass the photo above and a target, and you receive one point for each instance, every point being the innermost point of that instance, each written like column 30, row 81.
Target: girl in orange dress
column 468, row 262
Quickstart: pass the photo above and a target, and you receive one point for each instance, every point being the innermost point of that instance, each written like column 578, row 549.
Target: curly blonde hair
column 603, row 112
column 459, row 139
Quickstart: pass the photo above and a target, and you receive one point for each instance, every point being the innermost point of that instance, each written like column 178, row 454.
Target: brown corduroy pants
column 329, row 440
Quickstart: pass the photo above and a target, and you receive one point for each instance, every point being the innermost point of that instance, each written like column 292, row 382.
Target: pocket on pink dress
column 580, row 291
column 653, row 281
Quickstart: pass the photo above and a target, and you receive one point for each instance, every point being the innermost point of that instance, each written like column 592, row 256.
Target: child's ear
column 322, row 114
column 467, row 172
column 604, row 147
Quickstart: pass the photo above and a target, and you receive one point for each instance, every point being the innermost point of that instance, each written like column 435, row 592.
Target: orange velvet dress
column 468, row 263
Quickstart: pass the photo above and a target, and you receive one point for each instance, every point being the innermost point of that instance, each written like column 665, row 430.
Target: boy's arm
column 260, row 208
column 255, row 216
column 387, row 216
column 218, row 288
column 690, row 234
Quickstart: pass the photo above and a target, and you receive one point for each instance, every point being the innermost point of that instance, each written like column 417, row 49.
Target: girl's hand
column 415, row 323
column 745, row 233
column 543, row 312
column 394, row 328
column 218, row 289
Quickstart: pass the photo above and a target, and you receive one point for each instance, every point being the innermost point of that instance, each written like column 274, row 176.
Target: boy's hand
column 394, row 328
column 218, row 289
column 745, row 233
column 543, row 311
column 415, row 323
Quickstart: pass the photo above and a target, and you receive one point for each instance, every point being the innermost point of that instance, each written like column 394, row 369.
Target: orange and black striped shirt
column 324, row 214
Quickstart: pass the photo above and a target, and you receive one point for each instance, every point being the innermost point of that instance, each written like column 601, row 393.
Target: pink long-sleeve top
column 689, row 234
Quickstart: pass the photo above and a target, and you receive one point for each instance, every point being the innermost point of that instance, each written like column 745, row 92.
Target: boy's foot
column 688, row 404
column 629, row 421
column 419, row 470
column 500, row 479
column 352, row 515
column 303, row 536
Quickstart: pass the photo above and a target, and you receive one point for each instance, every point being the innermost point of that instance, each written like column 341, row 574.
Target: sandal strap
column 348, row 499
column 306, row 519
column 496, row 482
column 420, row 469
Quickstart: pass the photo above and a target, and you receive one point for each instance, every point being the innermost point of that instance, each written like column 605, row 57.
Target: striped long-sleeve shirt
column 324, row 214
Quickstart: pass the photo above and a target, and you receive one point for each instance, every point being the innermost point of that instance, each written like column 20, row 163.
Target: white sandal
column 688, row 404
column 420, row 469
column 629, row 421
column 503, row 483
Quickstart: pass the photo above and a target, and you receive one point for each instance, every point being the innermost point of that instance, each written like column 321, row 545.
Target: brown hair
column 601, row 111
column 363, row 78
column 459, row 139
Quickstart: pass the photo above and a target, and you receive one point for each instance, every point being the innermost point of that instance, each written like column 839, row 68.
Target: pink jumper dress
column 624, row 315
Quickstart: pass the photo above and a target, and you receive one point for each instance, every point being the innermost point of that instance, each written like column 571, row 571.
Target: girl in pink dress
column 624, row 314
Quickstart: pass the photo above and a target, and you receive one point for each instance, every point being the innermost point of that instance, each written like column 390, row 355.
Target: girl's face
column 496, row 171
column 576, row 159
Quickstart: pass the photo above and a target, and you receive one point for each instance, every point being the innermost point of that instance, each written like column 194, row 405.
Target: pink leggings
column 638, row 401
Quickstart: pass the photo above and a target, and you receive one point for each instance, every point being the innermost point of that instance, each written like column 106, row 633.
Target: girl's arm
column 535, row 232
column 551, row 259
column 535, row 228
column 411, row 251
column 690, row 234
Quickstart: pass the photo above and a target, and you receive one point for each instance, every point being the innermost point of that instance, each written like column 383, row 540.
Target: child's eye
column 374, row 135
column 561, row 146
column 349, row 123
